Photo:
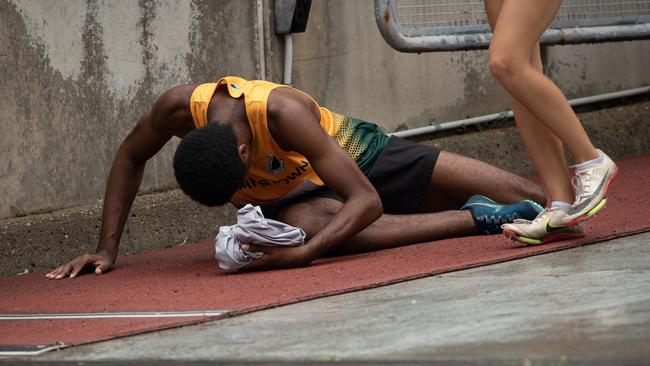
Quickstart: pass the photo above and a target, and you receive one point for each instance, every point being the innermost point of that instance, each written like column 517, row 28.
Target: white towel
column 252, row 228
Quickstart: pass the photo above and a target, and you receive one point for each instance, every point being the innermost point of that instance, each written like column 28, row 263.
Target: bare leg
column 543, row 146
column 389, row 231
column 519, row 25
column 455, row 178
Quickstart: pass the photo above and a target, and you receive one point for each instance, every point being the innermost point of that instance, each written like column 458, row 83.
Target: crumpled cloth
column 252, row 228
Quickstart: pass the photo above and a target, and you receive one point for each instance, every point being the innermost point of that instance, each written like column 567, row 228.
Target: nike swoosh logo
column 584, row 204
column 552, row 229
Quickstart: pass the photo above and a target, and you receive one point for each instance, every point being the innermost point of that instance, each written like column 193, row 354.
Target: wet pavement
column 588, row 305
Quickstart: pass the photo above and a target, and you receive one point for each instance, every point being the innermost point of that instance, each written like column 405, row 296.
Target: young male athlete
column 329, row 174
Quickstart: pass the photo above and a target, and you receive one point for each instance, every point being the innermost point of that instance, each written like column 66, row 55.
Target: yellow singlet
column 275, row 174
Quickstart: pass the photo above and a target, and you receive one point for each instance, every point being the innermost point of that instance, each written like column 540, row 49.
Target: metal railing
column 453, row 25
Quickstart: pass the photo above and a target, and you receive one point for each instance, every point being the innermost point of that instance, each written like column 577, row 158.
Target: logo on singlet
column 274, row 165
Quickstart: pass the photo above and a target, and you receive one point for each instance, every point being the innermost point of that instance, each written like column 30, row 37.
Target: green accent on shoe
column 526, row 240
column 597, row 208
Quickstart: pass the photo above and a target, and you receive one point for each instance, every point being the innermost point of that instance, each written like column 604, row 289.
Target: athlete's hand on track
column 278, row 257
column 101, row 261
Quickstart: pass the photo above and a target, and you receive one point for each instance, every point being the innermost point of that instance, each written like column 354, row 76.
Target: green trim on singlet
column 363, row 140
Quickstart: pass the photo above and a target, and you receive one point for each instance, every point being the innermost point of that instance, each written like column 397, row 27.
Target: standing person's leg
column 545, row 149
column 519, row 25
column 547, row 152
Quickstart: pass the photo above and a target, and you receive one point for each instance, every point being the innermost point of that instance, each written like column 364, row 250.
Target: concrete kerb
column 169, row 218
column 156, row 220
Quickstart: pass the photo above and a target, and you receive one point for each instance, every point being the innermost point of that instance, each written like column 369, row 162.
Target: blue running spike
column 489, row 215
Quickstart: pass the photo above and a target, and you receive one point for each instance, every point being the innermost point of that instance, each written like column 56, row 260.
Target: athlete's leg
column 455, row 178
column 519, row 25
column 543, row 146
column 389, row 231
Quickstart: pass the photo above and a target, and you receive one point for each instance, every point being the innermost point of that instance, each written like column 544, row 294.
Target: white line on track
column 114, row 315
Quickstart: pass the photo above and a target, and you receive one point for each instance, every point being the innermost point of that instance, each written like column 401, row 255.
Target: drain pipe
column 508, row 114
column 290, row 17
column 260, row 40
column 288, row 59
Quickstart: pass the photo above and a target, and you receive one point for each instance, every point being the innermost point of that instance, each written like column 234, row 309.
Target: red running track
column 187, row 277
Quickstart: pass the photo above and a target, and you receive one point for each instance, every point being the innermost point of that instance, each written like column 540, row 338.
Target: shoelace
column 494, row 222
column 497, row 220
column 582, row 183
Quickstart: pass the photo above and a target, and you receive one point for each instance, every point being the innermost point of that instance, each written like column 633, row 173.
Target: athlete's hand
column 278, row 257
column 101, row 261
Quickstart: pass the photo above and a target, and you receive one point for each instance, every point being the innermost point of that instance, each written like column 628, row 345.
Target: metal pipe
column 508, row 114
column 260, row 44
column 268, row 47
column 288, row 58
column 407, row 39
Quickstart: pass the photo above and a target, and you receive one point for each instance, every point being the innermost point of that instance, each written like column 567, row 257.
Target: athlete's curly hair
column 207, row 165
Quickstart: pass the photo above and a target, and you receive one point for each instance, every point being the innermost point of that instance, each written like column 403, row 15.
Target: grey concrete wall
column 77, row 74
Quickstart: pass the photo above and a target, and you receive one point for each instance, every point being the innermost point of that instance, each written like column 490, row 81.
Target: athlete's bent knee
column 311, row 216
column 504, row 67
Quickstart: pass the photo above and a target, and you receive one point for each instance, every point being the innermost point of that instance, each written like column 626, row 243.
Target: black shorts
column 400, row 175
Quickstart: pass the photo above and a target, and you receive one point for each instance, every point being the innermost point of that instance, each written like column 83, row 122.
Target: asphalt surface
column 587, row 305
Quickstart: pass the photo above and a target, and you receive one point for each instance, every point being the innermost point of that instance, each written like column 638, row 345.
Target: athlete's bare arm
column 294, row 123
column 169, row 116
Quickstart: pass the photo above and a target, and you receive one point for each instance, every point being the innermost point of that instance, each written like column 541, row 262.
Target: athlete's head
column 209, row 165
